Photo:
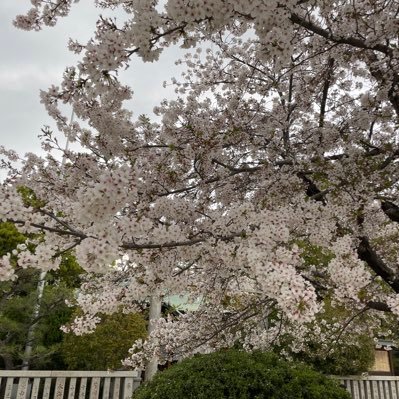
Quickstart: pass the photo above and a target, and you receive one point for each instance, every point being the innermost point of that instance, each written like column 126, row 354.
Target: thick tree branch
column 352, row 41
column 391, row 210
column 326, row 86
column 367, row 254
column 171, row 244
column 380, row 306
column 50, row 229
column 186, row 243
column 312, row 190
column 381, row 76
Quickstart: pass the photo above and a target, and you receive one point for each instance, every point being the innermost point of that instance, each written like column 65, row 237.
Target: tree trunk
column 155, row 314
column 32, row 327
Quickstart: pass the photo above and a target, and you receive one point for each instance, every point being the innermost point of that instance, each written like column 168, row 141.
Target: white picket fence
column 121, row 385
column 371, row 387
column 68, row 384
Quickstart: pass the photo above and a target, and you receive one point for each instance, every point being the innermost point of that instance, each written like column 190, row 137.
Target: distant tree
column 339, row 342
column 17, row 303
column 107, row 345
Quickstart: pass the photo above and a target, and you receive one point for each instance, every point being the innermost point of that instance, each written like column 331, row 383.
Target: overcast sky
column 31, row 61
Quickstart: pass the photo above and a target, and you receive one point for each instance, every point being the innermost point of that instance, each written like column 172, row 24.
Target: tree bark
column 32, row 327
column 155, row 314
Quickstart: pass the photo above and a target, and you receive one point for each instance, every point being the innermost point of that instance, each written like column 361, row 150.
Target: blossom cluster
column 268, row 184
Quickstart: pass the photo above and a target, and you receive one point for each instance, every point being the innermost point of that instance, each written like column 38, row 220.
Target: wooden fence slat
column 387, row 390
column 349, row 387
column 35, row 388
column 59, row 388
column 392, row 388
column 374, row 389
column 128, row 388
column 355, row 389
column 374, row 386
column 381, row 390
column 72, row 388
column 369, row 389
column 95, row 388
column 117, row 387
column 9, row 385
column 82, row 390
column 47, row 388
column 362, row 388
column 22, row 388
column 107, row 381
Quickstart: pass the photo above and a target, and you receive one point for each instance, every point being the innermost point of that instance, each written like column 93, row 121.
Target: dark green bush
column 235, row 374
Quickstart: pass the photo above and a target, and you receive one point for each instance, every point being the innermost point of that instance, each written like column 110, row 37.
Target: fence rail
column 68, row 384
column 121, row 385
column 371, row 387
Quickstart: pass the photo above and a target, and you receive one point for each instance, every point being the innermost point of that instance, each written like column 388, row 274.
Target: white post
column 31, row 331
column 155, row 314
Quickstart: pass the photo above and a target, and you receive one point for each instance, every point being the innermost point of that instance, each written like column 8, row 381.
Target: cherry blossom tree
column 283, row 137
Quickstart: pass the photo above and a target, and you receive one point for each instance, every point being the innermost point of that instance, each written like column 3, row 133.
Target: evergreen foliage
column 235, row 374
column 18, row 298
column 107, row 345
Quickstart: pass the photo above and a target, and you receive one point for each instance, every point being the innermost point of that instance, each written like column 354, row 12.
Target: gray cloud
column 32, row 61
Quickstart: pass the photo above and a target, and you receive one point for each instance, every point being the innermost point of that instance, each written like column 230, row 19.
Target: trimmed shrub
column 236, row 374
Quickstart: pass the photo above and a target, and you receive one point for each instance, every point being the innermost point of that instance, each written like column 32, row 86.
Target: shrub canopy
column 235, row 374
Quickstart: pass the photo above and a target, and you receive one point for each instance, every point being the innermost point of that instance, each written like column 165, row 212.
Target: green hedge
column 235, row 374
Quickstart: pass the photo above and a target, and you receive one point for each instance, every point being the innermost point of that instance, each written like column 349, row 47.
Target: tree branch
column 352, row 41
column 367, row 254
column 326, row 87
column 380, row 306
column 391, row 210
